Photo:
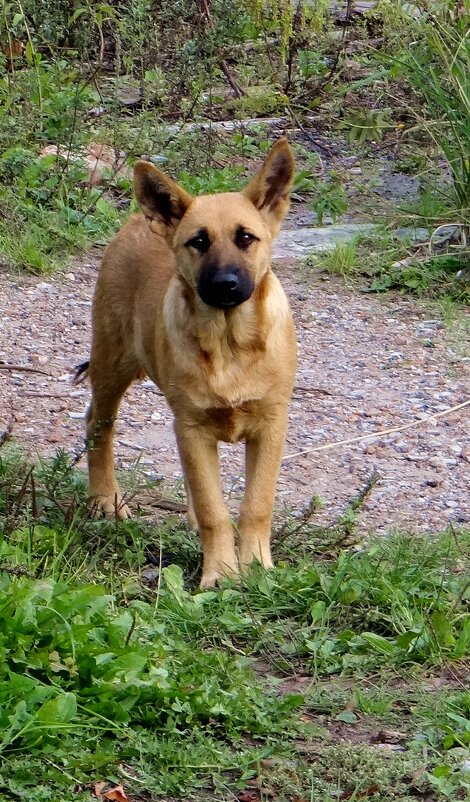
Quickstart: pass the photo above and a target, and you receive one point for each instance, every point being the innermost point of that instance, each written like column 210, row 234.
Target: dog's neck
column 220, row 350
column 219, row 332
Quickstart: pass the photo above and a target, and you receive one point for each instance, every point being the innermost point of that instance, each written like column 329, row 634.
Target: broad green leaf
column 317, row 611
column 173, row 576
column 347, row 716
column 59, row 710
column 378, row 643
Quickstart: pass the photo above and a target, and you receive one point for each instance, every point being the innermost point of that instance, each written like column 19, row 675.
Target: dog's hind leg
column 109, row 380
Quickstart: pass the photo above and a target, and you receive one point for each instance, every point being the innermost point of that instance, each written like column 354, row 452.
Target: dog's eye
column 200, row 242
column 244, row 238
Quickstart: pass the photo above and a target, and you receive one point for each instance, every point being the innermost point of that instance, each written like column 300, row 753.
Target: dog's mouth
column 224, row 289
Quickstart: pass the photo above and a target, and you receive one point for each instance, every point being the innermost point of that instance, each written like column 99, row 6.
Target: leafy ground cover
column 340, row 674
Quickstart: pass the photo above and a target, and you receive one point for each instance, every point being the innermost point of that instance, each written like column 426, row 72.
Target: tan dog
column 186, row 296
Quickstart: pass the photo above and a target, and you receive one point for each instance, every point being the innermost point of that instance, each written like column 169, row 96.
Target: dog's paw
column 252, row 550
column 110, row 507
column 214, row 578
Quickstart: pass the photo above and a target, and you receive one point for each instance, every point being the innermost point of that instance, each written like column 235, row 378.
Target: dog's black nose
column 226, row 283
column 224, row 288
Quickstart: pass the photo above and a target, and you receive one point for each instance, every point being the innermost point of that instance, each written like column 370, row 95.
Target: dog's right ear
column 160, row 198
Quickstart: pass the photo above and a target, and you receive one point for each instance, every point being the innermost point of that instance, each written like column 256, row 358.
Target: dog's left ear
column 270, row 189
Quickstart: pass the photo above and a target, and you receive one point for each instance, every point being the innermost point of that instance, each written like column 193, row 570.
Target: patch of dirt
column 365, row 363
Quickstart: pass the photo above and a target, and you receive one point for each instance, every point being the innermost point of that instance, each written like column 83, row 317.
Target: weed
column 364, row 125
column 47, row 205
column 329, row 196
column 394, row 262
column 342, row 260
column 437, row 65
column 225, row 179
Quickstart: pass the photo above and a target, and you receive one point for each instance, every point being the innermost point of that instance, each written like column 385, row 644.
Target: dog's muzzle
column 224, row 288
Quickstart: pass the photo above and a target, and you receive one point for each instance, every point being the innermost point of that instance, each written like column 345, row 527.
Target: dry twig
column 25, row 368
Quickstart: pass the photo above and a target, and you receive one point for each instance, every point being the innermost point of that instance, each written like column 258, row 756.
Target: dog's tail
column 81, row 372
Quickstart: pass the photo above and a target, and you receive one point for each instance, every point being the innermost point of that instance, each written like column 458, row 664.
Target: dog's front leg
column 199, row 457
column 263, row 458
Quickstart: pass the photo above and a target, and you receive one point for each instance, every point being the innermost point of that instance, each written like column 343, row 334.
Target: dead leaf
column 373, row 789
column 390, row 737
column 117, row 793
column 249, row 796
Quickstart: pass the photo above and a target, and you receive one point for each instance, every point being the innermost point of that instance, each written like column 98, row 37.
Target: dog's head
column 222, row 242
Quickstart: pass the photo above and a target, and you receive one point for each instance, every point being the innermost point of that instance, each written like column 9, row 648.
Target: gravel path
column 367, row 362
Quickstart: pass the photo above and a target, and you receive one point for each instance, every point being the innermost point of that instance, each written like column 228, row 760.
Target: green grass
column 437, row 65
column 113, row 671
column 387, row 261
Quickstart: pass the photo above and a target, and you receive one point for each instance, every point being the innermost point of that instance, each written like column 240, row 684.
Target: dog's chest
column 231, row 424
column 227, row 388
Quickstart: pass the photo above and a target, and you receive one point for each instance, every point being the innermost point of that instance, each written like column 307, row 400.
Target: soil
column 366, row 363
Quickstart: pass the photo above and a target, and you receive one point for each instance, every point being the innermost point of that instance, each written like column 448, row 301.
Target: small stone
column 402, row 446
column 437, row 462
column 417, row 457
column 465, row 453
column 150, row 575
column 437, row 324
column 391, row 747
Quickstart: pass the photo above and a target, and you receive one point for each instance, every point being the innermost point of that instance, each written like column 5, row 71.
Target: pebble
column 402, row 446
column 390, row 747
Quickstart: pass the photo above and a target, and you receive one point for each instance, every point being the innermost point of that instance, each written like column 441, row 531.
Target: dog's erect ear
column 160, row 198
column 270, row 189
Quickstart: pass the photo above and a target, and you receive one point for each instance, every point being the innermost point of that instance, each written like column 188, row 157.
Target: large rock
column 300, row 242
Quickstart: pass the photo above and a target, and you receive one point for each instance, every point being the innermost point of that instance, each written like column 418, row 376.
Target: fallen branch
column 44, row 395
column 315, row 390
column 169, row 504
column 26, row 368
column 364, row 491
column 379, row 433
